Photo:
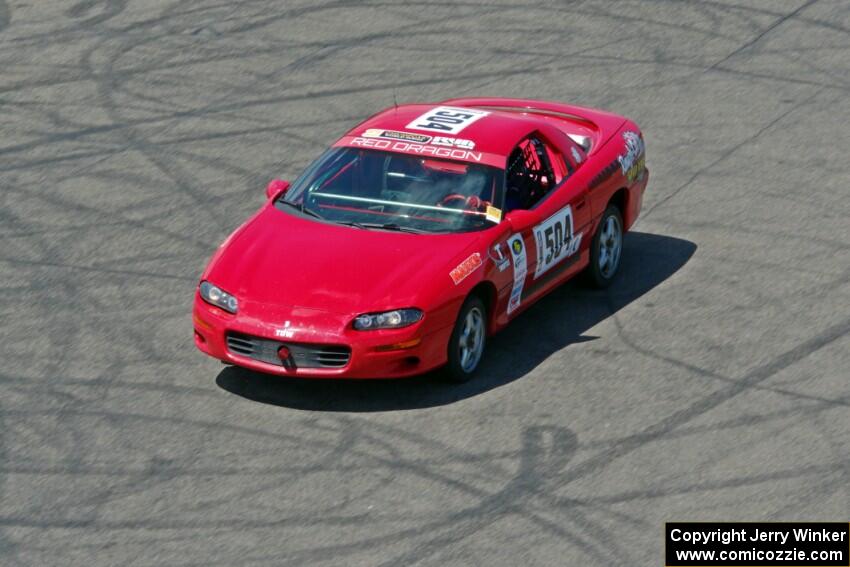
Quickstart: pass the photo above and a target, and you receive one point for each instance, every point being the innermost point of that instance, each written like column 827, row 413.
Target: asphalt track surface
column 710, row 383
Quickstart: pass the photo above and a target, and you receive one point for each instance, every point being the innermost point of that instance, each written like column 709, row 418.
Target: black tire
column 459, row 368
column 599, row 272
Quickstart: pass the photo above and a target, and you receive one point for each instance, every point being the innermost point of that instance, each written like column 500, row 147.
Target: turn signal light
column 399, row 346
column 201, row 323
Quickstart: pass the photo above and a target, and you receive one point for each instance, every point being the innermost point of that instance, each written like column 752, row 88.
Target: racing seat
column 528, row 175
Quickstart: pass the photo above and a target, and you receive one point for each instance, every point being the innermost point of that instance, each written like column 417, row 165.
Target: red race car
column 420, row 233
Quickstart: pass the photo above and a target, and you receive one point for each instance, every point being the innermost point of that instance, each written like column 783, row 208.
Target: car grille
column 301, row 355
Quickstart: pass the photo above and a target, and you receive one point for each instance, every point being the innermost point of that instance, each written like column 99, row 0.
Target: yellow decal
column 493, row 214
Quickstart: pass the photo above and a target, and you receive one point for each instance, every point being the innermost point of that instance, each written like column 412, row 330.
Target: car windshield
column 383, row 190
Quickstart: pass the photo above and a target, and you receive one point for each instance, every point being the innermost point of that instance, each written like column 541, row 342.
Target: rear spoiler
column 603, row 124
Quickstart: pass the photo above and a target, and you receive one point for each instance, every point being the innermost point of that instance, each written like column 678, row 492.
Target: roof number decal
column 446, row 119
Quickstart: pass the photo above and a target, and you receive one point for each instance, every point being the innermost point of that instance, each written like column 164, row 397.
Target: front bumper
column 388, row 353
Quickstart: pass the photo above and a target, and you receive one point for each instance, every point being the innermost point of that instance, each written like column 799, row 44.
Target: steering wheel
column 450, row 198
column 472, row 203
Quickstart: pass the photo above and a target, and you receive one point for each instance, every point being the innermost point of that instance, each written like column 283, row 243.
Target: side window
column 573, row 154
column 530, row 174
column 560, row 167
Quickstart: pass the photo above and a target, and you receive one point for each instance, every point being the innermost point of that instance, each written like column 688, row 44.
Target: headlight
column 394, row 319
column 218, row 297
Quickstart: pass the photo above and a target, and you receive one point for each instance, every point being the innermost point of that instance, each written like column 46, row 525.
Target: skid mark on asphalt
column 5, row 14
column 83, row 9
column 747, row 45
column 124, row 423
column 728, row 153
column 753, row 378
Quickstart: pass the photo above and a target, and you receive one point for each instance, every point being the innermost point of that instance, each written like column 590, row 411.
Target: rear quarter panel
column 619, row 165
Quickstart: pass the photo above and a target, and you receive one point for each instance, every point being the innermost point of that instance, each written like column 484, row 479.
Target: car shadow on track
column 558, row 320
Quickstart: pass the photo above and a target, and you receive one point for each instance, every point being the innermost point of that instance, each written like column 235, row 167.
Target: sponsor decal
column 576, row 155
column 633, row 162
column 555, row 240
column 371, row 143
column 520, row 263
column 395, row 135
column 453, row 142
column 465, row 268
column 424, row 150
column 446, row 119
column 286, row 332
column 436, row 152
column 493, row 214
column 502, row 262
column 419, row 138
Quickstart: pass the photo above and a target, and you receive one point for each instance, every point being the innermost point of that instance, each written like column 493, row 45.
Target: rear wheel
column 606, row 249
column 469, row 337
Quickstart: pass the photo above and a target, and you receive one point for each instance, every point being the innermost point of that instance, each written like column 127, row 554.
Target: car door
column 544, row 238
column 511, row 253
column 525, row 169
column 560, row 240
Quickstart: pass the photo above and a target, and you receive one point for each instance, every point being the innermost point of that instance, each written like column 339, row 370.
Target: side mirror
column 521, row 219
column 276, row 188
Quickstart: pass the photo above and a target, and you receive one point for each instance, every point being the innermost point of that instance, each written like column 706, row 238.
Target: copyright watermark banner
column 758, row 544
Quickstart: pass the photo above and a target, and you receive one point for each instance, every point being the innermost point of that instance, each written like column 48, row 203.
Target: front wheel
column 606, row 249
column 469, row 337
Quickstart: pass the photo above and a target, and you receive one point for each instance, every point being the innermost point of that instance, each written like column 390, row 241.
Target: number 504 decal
column 447, row 119
column 556, row 240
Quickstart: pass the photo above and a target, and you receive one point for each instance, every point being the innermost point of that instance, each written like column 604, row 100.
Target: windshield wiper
column 355, row 224
column 300, row 208
column 387, row 226
column 394, row 226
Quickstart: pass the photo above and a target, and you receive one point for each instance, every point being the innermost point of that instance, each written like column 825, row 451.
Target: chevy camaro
column 419, row 234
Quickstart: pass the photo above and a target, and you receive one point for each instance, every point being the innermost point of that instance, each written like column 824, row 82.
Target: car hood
column 280, row 259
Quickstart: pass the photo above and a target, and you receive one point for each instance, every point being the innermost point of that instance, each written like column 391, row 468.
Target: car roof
column 493, row 133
